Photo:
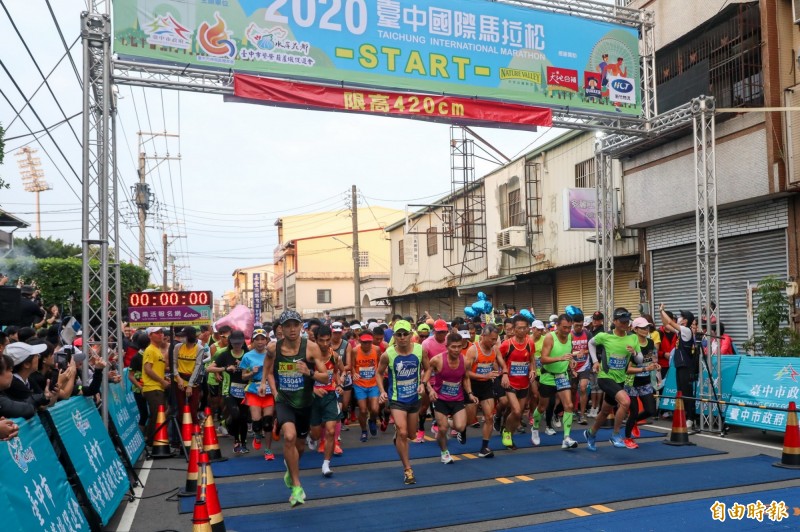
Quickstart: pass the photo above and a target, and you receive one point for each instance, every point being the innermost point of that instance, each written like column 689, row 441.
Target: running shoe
column 435, row 429
column 420, row 436
column 373, row 428
column 630, row 444
column 364, row 436
column 446, row 458
column 408, row 477
column 257, row 443
column 311, row 443
column 486, row 453
column 636, row 433
column 535, row 439
column 321, row 446
column 268, row 456
column 549, row 431
column 523, row 422
column 507, row 441
column 337, row 450
column 557, row 422
column 582, row 420
column 496, row 422
column 384, row 425
column 521, row 430
column 591, row 440
column 592, row 412
column 326, row 470
column 298, row 496
column 243, row 449
column 616, row 441
column 222, row 431
column 569, row 443
column 287, row 477
column 462, row 437
column 476, row 425
column 237, row 449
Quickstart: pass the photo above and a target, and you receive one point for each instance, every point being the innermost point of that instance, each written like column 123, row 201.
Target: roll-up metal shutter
column 542, row 299
column 522, row 295
column 624, row 295
column 504, row 295
column 569, row 289
column 588, row 290
column 741, row 259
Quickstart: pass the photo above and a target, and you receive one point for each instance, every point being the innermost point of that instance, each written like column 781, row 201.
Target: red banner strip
column 387, row 103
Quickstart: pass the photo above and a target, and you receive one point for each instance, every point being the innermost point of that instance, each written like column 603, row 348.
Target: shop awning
column 474, row 288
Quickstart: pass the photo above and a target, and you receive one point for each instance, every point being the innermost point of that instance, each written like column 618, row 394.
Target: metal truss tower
column 100, row 274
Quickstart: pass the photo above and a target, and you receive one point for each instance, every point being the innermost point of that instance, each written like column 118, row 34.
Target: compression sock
column 484, row 444
column 567, row 421
column 537, row 418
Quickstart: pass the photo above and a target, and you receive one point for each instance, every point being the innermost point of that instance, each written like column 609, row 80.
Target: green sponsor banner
column 473, row 48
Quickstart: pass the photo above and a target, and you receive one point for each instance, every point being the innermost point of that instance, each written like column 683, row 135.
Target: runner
column 262, row 407
column 557, row 355
column 484, row 365
column 423, row 332
column 365, row 362
column 641, row 388
column 450, row 388
column 582, row 373
column 291, row 367
column 215, row 381
column 406, row 364
column 518, row 352
column 342, row 348
column 325, row 408
column 187, row 368
column 612, row 371
column 431, row 347
column 228, row 362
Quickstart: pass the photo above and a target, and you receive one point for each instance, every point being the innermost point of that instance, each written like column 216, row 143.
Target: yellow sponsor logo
column 515, row 73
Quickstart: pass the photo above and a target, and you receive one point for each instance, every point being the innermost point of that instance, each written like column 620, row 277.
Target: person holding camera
column 25, row 358
column 57, row 368
column 686, row 359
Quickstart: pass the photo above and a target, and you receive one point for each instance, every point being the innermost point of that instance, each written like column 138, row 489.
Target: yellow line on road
column 525, row 478
column 504, row 480
column 601, row 508
column 468, row 455
column 578, row 512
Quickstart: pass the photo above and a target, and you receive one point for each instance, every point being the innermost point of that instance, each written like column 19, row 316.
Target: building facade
column 742, row 54
column 244, row 287
column 313, row 263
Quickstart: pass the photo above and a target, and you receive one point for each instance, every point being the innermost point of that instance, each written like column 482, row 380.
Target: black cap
column 598, row 316
column 236, row 335
column 622, row 314
column 688, row 315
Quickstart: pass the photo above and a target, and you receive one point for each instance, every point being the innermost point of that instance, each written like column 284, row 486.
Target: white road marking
column 772, row 447
column 129, row 514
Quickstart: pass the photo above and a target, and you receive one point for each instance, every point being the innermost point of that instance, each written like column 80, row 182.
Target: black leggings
column 238, row 415
column 686, row 387
column 141, row 404
column 634, row 416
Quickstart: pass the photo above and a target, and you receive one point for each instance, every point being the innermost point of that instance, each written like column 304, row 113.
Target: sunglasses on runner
column 225, row 336
column 402, row 334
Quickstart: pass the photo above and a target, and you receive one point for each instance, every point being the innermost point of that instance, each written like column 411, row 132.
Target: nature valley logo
column 81, row 424
column 787, row 371
column 525, row 75
column 166, row 31
column 21, row 456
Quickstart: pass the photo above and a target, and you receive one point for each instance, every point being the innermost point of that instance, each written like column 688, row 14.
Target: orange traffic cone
column 187, row 429
column 192, row 471
column 161, row 440
column 790, row 459
column 200, row 520
column 679, row 434
column 210, row 443
column 208, row 489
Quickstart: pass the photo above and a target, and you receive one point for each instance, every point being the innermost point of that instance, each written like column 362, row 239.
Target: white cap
column 151, row 330
column 464, row 334
column 337, row 326
column 553, row 317
column 373, row 325
column 20, row 351
column 537, row 324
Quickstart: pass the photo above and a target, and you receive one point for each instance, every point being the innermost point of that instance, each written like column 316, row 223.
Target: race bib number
column 450, row 389
column 318, row 384
column 484, row 369
column 519, row 369
column 367, row 372
column 237, row 390
column 578, row 356
column 289, row 378
column 617, row 362
column 407, row 389
column 538, row 363
column 562, row 382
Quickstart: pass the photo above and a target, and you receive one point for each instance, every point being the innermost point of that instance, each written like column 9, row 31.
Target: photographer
column 8, row 406
column 25, row 358
column 58, row 369
column 31, row 312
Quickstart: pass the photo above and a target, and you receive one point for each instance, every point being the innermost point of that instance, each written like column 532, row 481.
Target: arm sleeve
column 592, row 351
column 686, row 333
column 10, row 408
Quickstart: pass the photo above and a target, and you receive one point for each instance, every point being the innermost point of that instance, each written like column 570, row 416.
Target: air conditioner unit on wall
column 511, row 238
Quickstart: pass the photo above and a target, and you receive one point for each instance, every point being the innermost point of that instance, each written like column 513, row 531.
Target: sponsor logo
column 787, row 372
column 81, row 424
column 21, row 456
column 167, row 31
column 622, row 85
column 216, row 40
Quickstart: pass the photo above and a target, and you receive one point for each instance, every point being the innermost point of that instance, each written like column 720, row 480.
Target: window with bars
column 516, row 216
column 585, row 174
column 401, row 252
column 363, row 259
column 323, row 296
column 432, row 240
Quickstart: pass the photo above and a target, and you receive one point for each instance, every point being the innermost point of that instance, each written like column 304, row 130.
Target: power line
column 50, row 128
column 64, row 42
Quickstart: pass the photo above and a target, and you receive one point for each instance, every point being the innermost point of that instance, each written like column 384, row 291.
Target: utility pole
column 356, row 264
column 165, row 242
column 142, row 196
column 32, row 179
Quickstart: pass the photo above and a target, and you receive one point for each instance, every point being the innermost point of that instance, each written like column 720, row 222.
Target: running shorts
column 482, row 390
column 610, row 390
column 411, row 408
column 324, row 409
column 300, row 418
column 253, row 399
column 448, row 408
column 365, row 393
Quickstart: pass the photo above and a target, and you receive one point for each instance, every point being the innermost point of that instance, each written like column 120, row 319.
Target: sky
column 241, row 166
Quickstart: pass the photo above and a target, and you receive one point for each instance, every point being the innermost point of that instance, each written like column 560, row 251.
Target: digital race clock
column 169, row 309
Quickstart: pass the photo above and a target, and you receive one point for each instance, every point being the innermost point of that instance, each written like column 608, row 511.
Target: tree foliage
column 3, row 184
column 45, row 248
column 777, row 338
